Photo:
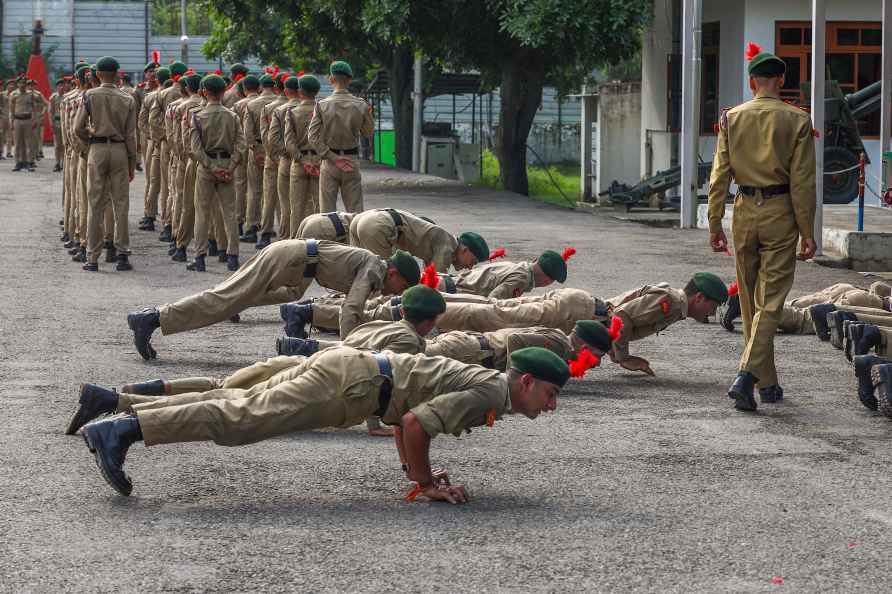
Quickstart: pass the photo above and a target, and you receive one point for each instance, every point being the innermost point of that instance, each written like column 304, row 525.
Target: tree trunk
column 401, row 64
column 521, row 95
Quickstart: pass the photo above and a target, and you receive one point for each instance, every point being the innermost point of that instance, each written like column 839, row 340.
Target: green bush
column 541, row 186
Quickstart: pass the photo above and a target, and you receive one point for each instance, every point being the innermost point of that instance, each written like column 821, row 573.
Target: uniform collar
column 307, row 101
column 405, row 323
column 508, row 410
column 341, row 92
column 107, row 85
column 684, row 304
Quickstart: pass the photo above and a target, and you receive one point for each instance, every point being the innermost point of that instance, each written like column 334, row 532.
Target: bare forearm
column 416, row 448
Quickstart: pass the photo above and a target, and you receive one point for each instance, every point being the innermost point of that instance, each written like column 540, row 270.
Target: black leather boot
column 250, row 236
column 241, row 229
column 179, row 255
column 18, row 167
column 863, row 365
column 109, row 441
column 197, row 265
column 94, row 401
column 741, row 391
column 881, row 376
column 65, row 237
column 730, row 313
column 80, row 255
column 222, row 257
column 143, row 323
column 147, row 224
column 863, row 337
column 818, row 315
column 296, row 318
column 111, row 252
column 232, row 262
column 265, row 240
column 286, row 345
column 771, row 394
column 70, row 244
column 123, row 264
column 836, row 319
column 91, row 267
column 212, row 248
column 166, row 234
column 149, row 388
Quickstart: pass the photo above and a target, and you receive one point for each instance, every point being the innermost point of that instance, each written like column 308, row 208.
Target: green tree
column 21, row 52
column 522, row 45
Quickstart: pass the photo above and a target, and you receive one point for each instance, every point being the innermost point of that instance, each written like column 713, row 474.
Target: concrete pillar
column 886, row 90
column 818, row 43
column 418, row 115
column 585, row 158
column 692, row 16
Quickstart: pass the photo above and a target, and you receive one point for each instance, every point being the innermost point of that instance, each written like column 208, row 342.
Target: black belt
column 767, row 191
column 349, row 151
column 449, row 282
column 218, row 155
column 340, row 230
column 602, row 309
column 258, row 140
column 395, row 313
column 489, row 362
column 307, row 152
column 312, row 252
column 387, row 387
column 103, row 140
column 397, row 219
column 22, row 117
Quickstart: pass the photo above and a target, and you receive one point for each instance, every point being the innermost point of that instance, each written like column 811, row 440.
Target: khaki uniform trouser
column 69, row 174
column 303, row 194
column 270, row 196
column 240, row 176
column 177, row 179
column 187, row 219
column 24, row 138
column 254, row 175
column 58, row 148
column 164, row 182
column 461, row 346
column 283, row 192
column 215, row 201
column 375, row 232
column 153, row 178
column 796, row 318
column 108, row 184
column 332, row 179
column 4, row 128
column 83, row 205
column 331, row 389
column 765, row 237
column 274, row 275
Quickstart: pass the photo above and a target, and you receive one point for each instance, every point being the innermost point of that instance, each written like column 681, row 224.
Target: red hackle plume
column 156, row 56
column 732, row 290
column 583, row 362
column 616, row 326
column 429, row 277
column 751, row 50
column 275, row 71
column 268, row 70
column 568, row 253
column 218, row 72
column 499, row 253
column 190, row 72
column 300, row 73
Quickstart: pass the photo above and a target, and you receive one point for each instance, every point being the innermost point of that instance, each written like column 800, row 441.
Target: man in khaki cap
column 338, row 124
column 279, row 274
column 157, row 117
column 501, row 279
column 256, row 155
column 106, row 123
column 270, row 204
column 24, row 109
column 768, row 148
column 56, row 121
column 421, row 396
column 383, row 230
column 279, row 148
column 251, row 86
column 303, row 195
column 181, row 140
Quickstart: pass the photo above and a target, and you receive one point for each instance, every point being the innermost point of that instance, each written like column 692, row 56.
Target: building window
column 709, row 78
column 853, row 60
column 166, row 17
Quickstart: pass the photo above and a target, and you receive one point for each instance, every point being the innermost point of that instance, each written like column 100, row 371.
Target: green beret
column 407, row 266
column 59, row 81
column 238, row 69
column 162, row 74
column 250, row 82
column 340, row 67
column 107, row 64
column 553, row 265
column 81, row 73
column 476, row 244
column 267, row 81
column 292, row 83
column 766, row 64
column 178, row 68
column 151, row 66
column 594, row 334
column 541, row 364
column 193, row 81
column 214, row 84
column 423, row 303
column 309, row 83
column 711, row 286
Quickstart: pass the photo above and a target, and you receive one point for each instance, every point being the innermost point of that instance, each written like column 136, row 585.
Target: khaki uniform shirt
column 230, row 97
column 425, row 240
column 297, row 125
column 266, row 118
column 159, row 110
column 338, row 122
column 277, row 143
column 765, row 142
column 185, row 138
column 493, row 349
column 216, row 129
column 142, row 121
column 4, row 107
column 253, row 117
column 109, row 112
column 23, row 103
column 56, row 110
column 397, row 337
column 320, row 226
column 646, row 311
column 496, row 280
column 174, row 124
column 445, row 395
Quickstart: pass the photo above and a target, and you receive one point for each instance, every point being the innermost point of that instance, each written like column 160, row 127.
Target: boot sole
column 744, row 402
column 78, row 419
column 877, row 379
column 865, row 386
column 122, row 489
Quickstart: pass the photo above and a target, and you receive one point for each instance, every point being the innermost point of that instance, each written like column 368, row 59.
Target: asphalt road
column 634, row 484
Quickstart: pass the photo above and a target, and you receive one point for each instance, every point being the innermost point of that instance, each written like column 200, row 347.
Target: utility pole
column 418, row 114
column 184, row 39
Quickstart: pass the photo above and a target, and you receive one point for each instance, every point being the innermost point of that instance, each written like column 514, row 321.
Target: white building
column 671, row 115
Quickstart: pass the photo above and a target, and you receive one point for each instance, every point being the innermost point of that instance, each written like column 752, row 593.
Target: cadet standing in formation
column 768, row 148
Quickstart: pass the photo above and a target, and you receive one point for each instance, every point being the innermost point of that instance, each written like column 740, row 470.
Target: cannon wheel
column 841, row 188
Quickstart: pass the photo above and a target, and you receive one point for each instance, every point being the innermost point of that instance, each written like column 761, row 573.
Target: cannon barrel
column 869, row 92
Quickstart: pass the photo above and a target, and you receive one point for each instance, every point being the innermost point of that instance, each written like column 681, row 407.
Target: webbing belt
column 312, row 256
column 340, row 230
column 387, row 387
